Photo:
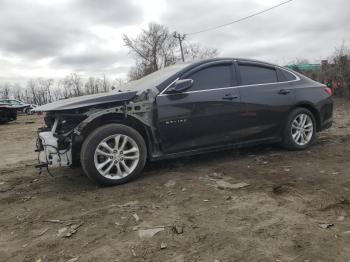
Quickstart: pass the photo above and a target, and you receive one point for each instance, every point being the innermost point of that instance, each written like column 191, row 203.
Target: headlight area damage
column 66, row 121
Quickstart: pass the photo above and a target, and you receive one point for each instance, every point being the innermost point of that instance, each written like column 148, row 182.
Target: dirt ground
column 295, row 208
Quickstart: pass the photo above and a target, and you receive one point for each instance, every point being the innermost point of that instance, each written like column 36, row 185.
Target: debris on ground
column 178, row 229
column 150, row 232
column 131, row 204
column 170, row 183
column 163, row 245
column 74, row 259
column 133, row 253
column 326, row 225
column 341, row 218
column 5, row 187
column 216, row 175
column 286, row 168
column 137, row 218
column 53, row 221
column 42, row 232
column 278, row 189
column 221, row 184
column 69, row 230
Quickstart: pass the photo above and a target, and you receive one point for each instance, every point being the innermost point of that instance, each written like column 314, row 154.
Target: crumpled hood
column 86, row 101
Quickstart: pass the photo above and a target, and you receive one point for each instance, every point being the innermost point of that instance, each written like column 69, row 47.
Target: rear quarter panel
column 312, row 93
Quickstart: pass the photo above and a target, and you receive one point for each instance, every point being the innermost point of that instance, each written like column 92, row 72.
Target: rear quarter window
column 288, row 76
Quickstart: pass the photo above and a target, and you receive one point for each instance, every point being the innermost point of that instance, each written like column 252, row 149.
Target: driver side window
column 211, row 78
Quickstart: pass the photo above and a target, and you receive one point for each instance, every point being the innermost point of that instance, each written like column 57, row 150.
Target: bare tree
column 5, row 91
column 341, row 60
column 105, row 84
column 193, row 51
column 46, row 86
column 153, row 49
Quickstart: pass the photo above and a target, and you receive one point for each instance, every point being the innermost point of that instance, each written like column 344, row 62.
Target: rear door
column 207, row 114
column 266, row 98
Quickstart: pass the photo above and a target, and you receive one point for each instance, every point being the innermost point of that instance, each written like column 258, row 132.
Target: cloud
column 290, row 31
column 112, row 12
column 97, row 60
column 49, row 38
column 38, row 29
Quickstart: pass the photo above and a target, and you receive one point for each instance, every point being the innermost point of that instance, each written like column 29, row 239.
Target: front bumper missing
column 49, row 154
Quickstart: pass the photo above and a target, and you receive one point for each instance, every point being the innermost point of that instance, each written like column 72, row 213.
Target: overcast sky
column 52, row 38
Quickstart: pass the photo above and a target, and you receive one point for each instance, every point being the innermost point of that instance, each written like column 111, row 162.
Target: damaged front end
column 54, row 142
column 58, row 144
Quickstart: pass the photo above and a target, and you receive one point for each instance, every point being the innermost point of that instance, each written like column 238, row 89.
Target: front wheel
column 300, row 129
column 113, row 154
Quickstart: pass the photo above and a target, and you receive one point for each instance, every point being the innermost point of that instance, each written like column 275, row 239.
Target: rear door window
column 252, row 75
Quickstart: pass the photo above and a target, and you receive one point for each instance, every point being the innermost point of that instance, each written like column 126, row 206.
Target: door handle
column 230, row 97
column 284, row 92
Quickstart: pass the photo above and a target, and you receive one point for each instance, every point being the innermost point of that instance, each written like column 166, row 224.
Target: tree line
column 334, row 72
column 42, row 91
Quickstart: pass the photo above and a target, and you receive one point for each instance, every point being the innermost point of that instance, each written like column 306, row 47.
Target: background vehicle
column 7, row 113
column 21, row 106
column 182, row 110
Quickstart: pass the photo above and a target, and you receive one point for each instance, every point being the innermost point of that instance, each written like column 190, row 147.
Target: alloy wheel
column 116, row 156
column 302, row 129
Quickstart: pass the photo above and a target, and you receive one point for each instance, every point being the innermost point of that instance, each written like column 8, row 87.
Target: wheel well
column 314, row 111
column 120, row 119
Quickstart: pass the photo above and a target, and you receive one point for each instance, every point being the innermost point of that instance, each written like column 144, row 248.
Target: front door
column 205, row 115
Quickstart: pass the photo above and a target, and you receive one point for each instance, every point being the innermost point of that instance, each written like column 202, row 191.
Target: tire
column 122, row 166
column 291, row 140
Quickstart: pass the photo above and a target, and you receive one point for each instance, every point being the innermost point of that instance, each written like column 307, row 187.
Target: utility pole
column 180, row 38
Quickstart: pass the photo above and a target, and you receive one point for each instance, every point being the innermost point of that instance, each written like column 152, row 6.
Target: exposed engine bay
column 66, row 123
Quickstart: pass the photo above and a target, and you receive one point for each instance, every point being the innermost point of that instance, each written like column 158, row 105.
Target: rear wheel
column 300, row 129
column 113, row 154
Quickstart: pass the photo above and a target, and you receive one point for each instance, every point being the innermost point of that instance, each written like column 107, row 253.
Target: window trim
column 237, row 73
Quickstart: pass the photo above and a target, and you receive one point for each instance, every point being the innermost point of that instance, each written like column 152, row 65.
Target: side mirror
column 180, row 86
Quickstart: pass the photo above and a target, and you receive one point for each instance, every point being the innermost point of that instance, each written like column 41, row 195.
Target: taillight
column 328, row 91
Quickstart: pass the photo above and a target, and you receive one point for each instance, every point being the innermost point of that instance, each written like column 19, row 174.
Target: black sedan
column 20, row 106
column 7, row 113
column 181, row 110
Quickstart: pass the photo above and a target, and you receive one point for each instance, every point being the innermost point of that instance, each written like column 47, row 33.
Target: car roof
column 218, row 59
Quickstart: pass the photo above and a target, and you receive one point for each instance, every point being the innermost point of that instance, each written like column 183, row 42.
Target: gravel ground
column 255, row 204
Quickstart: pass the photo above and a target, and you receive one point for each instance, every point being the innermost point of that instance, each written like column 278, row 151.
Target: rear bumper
column 326, row 124
column 326, row 114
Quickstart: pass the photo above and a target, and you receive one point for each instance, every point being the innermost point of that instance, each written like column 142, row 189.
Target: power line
column 241, row 19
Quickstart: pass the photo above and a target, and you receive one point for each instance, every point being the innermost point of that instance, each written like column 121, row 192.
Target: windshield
column 151, row 80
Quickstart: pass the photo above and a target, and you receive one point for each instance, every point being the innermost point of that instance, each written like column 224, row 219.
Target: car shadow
column 200, row 160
